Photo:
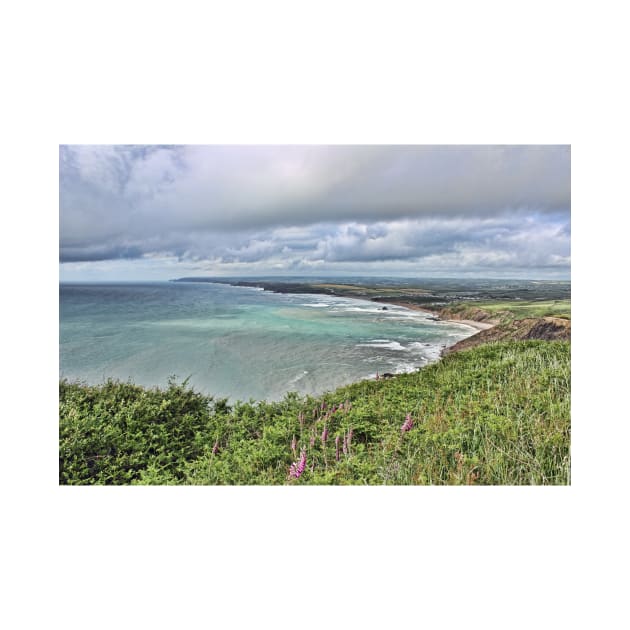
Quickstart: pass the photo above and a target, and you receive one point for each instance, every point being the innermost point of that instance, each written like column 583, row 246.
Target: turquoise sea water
column 238, row 342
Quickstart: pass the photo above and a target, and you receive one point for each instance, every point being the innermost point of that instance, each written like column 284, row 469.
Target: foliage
column 495, row 414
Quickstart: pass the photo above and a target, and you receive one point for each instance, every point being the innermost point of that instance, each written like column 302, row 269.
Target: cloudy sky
column 160, row 212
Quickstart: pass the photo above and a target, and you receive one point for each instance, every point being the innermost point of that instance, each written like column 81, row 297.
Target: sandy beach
column 468, row 322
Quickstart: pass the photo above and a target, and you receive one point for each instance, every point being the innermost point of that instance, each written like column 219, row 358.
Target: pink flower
column 324, row 434
column 297, row 468
column 337, row 448
column 407, row 424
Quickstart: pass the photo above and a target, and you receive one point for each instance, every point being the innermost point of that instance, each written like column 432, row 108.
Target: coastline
column 414, row 307
column 394, row 300
column 478, row 326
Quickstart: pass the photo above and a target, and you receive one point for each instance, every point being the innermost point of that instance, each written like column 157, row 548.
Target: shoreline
column 414, row 307
column 395, row 301
column 477, row 326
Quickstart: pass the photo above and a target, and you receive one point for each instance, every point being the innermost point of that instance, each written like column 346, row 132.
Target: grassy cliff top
column 509, row 310
column 495, row 414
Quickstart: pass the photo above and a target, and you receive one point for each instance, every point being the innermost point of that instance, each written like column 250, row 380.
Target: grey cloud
column 98, row 252
column 308, row 205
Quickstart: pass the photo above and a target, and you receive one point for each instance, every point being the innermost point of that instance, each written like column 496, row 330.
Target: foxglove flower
column 297, row 468
column 337, row 448
column 324, row 434
column 407, row 424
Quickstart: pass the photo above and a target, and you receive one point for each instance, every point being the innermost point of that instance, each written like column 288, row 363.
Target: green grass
column 496, row 414
column 518, row 309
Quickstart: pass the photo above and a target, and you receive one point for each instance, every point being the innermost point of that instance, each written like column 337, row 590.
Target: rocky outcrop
column 547, row 328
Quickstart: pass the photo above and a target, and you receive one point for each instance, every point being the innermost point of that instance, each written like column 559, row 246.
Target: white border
column 351, row 72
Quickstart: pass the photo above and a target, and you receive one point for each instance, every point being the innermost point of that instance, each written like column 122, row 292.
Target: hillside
column 495, row 414
column 501, row 311
column 545, row 328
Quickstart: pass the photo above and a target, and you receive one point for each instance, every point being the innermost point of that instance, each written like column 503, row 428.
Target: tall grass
column 495, row 414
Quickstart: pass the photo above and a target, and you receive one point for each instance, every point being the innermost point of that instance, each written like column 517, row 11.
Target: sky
column 160, row 212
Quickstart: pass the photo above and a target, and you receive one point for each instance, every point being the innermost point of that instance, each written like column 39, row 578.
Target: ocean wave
column 299, row 377
column 390, row 345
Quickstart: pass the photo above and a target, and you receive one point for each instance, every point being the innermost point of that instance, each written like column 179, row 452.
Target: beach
column 469, row 322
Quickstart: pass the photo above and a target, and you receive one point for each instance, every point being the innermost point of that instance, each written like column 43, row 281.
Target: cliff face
column 546, row 328
column 470, row 312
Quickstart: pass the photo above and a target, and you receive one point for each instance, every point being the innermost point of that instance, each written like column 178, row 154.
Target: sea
column 240, row 343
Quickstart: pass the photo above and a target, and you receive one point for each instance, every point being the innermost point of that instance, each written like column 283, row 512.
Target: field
column 506, row 310
column 496, row 414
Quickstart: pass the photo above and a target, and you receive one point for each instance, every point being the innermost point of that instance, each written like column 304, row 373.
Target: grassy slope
column 505, row 310
column 496, row 414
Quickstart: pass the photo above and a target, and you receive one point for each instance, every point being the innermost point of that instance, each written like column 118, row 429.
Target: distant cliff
column 545, row 328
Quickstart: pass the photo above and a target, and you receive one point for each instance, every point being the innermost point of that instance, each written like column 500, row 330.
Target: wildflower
column 297, row 468
column 472, row 476
column 407, row 424
column 301, row 419
column 377, row 376
column 323, row 406
column 350, row 434
column 293, row 446
column 312, row 440
column 337, row 448
column 344, row 447
column 324, row 434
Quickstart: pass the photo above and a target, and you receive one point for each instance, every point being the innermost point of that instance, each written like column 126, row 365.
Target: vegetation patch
column 508, row 310
column 496, row 414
